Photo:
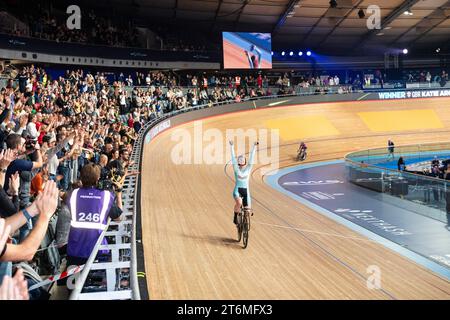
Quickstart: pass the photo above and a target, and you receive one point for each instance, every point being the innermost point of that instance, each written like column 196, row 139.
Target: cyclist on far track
column 301, row 152
column 242, row 171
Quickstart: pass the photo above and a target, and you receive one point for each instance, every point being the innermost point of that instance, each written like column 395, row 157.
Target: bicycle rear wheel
column 245, row 229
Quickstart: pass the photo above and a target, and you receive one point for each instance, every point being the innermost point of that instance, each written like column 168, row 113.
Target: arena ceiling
column 313, row 24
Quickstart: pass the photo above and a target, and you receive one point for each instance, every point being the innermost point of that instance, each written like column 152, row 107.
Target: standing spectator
column 43, row 208
column 428, row 77
column 391, row 148
column 14, row 288
column 401, row 166
column 8, row 206
column 447, row 194
column 90, row 209
column 129, row 81
column 260, row 80
column 17, row 144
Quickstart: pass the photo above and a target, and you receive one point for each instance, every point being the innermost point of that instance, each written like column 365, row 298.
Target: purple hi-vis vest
column 89, row 208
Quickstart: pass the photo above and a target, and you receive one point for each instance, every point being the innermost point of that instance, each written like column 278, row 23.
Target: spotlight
column 361, row 14
column 271, row 52
column 405, row 51
column 408, row 12
column 291, row 53
column 300, row 53
column 308, row 53
column 333, row 4
column 283, row 53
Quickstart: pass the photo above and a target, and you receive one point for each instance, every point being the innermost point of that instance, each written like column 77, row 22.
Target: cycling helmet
column 241, row 160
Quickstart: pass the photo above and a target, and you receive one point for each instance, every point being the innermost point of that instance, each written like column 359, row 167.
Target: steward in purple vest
column 90, row 208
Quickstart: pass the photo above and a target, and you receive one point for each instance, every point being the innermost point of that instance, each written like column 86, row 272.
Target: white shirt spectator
column 32, row 131
column 29, row 86
column 123, row 100
column 336, row 80
column 53, row 164
column 129, row 81
column 136, row 116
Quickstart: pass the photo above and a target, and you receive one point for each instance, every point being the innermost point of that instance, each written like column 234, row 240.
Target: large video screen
column 247, row 50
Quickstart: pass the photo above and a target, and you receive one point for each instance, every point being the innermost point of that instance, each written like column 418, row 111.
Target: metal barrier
column 75, row 295
column 418, row 191
column 120, row 268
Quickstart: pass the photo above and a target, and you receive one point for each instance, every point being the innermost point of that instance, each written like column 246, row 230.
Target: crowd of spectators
column 96, row 30
column 427, row 76
column 100, row 30
column 61, row 135
column 52, row 132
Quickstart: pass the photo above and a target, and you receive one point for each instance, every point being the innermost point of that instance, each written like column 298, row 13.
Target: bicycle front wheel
column 245, row 229
column 239, row 227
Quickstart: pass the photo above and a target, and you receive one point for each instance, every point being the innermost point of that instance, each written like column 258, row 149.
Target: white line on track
column 360, row 98
column 277, row 103
column 312, row 231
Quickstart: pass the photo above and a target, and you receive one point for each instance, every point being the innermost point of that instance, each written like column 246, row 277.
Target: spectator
column 8, row 206
column 23, row 166
column 14, row 288
column 391, row 148
column 43, row 207
column 90, row 209
column 401, row 166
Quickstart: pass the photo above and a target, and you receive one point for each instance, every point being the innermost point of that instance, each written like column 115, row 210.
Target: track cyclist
column 242, row 172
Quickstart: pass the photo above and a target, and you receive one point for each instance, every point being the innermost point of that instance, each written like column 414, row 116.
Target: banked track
column 294, row 252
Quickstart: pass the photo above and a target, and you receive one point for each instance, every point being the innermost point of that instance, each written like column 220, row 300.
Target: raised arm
column 249, row 59
column 252, row 155
column 233, row 157
column 46, row 206
column 258, row 52
column 4, row 115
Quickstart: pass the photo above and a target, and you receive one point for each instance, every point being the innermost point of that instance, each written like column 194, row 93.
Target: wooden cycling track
column 294, row 252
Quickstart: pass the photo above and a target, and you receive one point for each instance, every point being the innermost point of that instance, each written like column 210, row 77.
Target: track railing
column 418, row 190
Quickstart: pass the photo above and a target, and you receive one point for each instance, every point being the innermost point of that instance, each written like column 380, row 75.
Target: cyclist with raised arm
column 254, row 57
column 242, row 171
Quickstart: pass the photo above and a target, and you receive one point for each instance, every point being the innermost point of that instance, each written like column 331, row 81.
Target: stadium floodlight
column 283, row 53
column 291, row 53
column 408, row 12
column 405, row 51
column 300, row 53
column 308, row 53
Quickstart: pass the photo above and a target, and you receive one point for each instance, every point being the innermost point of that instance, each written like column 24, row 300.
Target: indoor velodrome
column 298, row 249
column 224, row 159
